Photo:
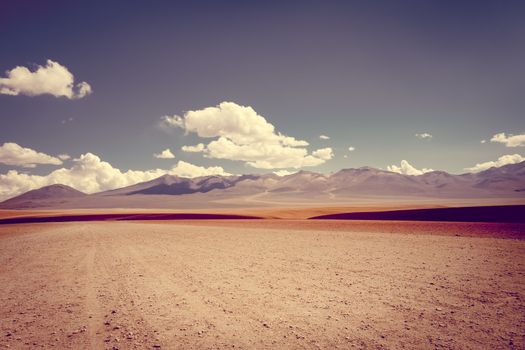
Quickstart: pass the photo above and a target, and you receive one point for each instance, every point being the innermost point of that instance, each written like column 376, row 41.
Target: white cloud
column 241, row 134
column 406, row 169
column 483, row 141
column 166, row 154
column 262, row 155
column 424, row 135
column 63, row 156
column 14, row 183
column 240, row 124
column 324, row 153
column 53, row 79
column 184, row 169
column 172, row 121
column 195, row 149
column 90, row 174
column 324, row 137
column 283, row 172
column 351, row 148
column 509, row 140
column 503, row 160
column 14, row 154
column 84, row 89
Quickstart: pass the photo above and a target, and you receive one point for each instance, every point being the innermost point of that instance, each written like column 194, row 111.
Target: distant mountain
column 174, row 185
column 367, row 180
column 341, row 187
column 51, row 192
column 504, row 178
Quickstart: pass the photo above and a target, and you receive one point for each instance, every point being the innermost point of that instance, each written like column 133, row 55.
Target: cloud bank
column 509, row 140
column 91, row 174
column 14, row 154
column 241, row 134
column 53, row 79
column 501, row 161
column 406, row 169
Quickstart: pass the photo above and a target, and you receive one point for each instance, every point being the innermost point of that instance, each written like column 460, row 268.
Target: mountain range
column 304, row 187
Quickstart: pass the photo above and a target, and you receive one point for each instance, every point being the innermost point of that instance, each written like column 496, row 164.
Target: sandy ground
column 270, row 213
column 133, row 285
column 274, row 212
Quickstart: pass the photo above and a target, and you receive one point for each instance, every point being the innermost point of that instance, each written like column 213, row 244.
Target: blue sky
column 370, row 75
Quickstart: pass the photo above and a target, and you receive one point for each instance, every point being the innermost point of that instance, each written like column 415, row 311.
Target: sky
column 112, row 92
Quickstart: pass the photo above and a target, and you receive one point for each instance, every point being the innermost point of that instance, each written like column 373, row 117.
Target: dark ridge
column 503, row 213
column 123, row 217
column 203, row 186
column 178, row 189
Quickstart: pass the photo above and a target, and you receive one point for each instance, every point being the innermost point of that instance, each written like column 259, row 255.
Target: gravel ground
column 134, row 285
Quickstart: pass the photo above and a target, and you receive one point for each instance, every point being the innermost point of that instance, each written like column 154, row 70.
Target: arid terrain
column 265, row 175
column 262, row 284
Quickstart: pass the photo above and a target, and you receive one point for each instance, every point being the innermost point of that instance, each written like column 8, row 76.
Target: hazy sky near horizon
column 364, row 74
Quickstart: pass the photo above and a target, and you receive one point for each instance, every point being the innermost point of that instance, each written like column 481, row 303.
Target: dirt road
column 133, row 285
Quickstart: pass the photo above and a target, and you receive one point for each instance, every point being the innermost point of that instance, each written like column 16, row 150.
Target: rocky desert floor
column 265, row 285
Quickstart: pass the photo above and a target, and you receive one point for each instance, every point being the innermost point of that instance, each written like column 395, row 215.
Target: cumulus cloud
column 424, row 135
column 88, row 174
column 324, row 137
column 283, row 172
column 91, row 174
column 351, row 148
column 501, row 161
column 240, row 124
column 509, row 140
column 14, row 154
column 195, row 149
column 262, row 155
column 406, row 169
column 185, row 169
column 172, row 121
column 483, row 141
column 64, row 156
column 324, row 153
column 242, row 134
column 166, row 154
column 53, row 79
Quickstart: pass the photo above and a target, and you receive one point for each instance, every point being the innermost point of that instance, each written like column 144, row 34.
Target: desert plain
column 270, row 283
